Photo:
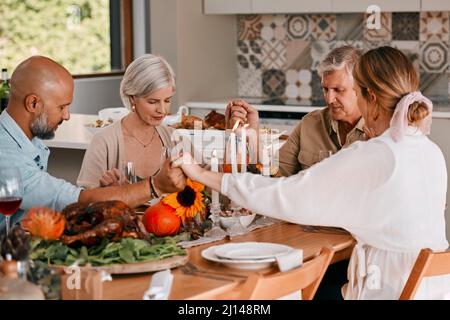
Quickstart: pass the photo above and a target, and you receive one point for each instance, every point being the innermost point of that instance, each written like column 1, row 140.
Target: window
column 88, row 37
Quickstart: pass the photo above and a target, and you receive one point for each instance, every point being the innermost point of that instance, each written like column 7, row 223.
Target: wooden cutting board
column 138, row 267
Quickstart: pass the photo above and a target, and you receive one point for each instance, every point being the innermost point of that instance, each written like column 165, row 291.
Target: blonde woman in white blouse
column 389, row 192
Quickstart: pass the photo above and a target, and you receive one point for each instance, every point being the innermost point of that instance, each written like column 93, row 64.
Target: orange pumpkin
column 44, row 223
column 161, row 220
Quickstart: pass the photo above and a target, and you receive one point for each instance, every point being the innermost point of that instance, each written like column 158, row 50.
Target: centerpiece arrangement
column 99, row 234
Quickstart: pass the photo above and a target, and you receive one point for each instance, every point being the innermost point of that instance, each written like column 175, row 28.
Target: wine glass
column 11, row 192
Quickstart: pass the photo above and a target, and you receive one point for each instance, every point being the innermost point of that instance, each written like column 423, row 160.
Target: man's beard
column 41, row 129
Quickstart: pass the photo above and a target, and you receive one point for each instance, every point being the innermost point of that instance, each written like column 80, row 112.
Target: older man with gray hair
column 328, row 129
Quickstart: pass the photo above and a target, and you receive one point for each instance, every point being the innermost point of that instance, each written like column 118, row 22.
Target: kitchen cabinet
column 227, row 6
column 291, row 6
column 266, row 6
column 318, row 6
column 340, row 6
column 435, row 5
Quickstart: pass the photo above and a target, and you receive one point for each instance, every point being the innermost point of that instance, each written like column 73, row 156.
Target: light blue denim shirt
column 31, row 157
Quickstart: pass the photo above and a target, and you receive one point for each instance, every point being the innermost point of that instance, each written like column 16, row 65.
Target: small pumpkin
column 44, row 223
column 161, row 220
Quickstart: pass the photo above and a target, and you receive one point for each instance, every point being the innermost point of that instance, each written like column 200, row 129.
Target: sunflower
column 189, row 202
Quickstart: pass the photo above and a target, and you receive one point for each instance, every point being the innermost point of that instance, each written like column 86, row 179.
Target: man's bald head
column 38, row 75
column 41, row 94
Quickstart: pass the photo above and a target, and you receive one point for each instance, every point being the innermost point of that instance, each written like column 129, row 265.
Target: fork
column 194, row 269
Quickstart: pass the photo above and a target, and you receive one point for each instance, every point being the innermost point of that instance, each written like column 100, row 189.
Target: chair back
column 305, row 278
column 428, row 264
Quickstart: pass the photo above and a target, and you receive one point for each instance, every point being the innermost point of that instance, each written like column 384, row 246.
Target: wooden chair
column 257, row 286
column 428, row 264
column 305, row 278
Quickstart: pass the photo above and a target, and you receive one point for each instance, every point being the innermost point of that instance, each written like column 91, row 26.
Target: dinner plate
column 251, row 250
column 210, row 255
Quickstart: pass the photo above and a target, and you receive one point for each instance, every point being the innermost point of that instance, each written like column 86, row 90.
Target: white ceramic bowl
column 228, row 222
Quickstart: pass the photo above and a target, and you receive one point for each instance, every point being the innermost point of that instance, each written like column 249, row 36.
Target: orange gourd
column 161, row 220
column 44, row 223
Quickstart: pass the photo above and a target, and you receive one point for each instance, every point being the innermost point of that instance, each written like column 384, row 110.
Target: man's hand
column 169, row 179
column 112, row 178
column 239, row 110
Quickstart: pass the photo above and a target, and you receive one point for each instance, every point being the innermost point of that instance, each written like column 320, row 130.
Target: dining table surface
column 214, row 277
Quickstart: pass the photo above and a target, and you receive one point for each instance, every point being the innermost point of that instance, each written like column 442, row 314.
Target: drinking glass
column 11, row 193
column 129, row 172
column 323, row 154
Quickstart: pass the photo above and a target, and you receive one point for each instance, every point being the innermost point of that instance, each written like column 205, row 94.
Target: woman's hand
column 189, row 167
column 169, row 179
column 112, row 177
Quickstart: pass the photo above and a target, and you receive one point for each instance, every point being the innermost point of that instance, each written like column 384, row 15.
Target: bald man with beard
column 41, row 94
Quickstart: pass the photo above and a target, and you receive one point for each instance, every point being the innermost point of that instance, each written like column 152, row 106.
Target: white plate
column 251, row 250
column 209, row 254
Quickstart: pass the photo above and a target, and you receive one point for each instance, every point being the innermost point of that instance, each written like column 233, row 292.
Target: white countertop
column 72, row 134
column 438, row 111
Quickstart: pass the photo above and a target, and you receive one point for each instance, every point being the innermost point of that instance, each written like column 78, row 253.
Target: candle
column 265, row 156
column 244, row 148
column 215, row 204
column 233, row 149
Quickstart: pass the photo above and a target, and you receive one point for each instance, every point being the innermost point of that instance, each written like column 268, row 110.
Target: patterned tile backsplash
column 277, row 55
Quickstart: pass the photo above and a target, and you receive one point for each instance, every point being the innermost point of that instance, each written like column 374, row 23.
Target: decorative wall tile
column 356, row 44
column 274, row 83
column 273, row 27
column 249, row 27
column 298, row 54
column 434, row 86
column 249, row 53
column 411, row 49
column 434, row 25
column 382, row 35
column 277, row 55
column 349, row 26
column 298, row 27
column 249, row 82
column 323, row 26
column 273, row 54
column 405, row 26
column 319, row 49
column 434, row 56
column 298, row 84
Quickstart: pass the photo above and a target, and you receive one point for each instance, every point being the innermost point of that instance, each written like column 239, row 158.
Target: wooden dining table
column 217, row 277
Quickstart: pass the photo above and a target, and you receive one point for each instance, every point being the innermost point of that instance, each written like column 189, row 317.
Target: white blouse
column 389, row 196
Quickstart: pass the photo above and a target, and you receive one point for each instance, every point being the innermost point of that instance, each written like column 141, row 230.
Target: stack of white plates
column 246, row 255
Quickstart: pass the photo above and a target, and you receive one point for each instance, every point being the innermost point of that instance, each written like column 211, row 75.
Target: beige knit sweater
column 106, row 151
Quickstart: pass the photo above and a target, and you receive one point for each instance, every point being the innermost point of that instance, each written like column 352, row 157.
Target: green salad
column 127, row 250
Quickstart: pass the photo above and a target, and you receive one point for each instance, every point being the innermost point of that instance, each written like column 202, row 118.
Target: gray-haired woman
column 146, row 90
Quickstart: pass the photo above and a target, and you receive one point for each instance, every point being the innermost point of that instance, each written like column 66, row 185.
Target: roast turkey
column 89, row 224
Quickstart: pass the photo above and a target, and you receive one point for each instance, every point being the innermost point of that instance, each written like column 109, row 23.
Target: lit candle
column 265, row 156
column 233, row 149
column 215, row 204
column 244, row 148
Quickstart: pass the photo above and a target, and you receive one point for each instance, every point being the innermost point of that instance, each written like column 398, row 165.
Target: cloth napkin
column 160, row 286
column 290, row 260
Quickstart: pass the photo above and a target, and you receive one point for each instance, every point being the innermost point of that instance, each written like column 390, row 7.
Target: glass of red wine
column 11, row 192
